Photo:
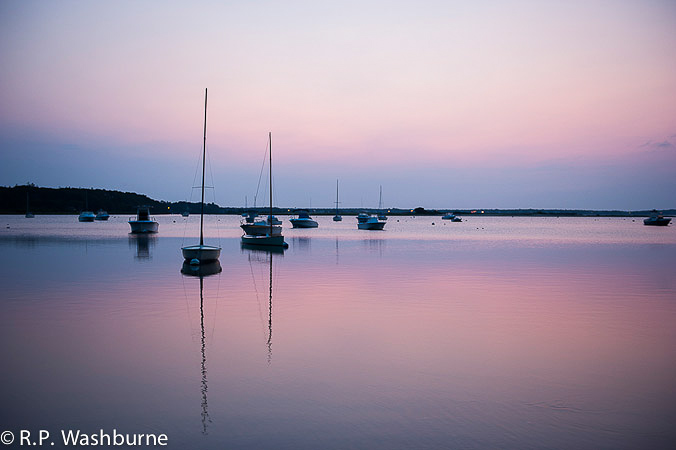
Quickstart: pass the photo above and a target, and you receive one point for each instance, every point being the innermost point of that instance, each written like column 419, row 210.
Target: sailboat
column 271, row 237
column 198, row 254
column 86, row 215
column 337, row 217
column 381, row 213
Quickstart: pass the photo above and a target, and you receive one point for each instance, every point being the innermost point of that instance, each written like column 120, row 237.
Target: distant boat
column 270, row 238
column 303, row 220
column 381, row 214
column 451, row 217
column 657, row 219
column 185, row 213
column 369, row 222
column 143, row 223
column 29, row 214
column 86, row 216
column 199, row 254
column 337, row 217
column 102, row 215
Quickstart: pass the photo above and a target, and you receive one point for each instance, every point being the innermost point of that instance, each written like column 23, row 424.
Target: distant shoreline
column 68, row 201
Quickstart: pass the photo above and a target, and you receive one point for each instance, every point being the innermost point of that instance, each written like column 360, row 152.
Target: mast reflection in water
column 254, row 253
column 202, row 271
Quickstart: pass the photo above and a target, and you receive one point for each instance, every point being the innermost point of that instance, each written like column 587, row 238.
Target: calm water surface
column 511, row 333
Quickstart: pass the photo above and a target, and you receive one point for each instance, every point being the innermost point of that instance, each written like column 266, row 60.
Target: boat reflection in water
column 202, row 271
column 264, row 255
column 143, row 243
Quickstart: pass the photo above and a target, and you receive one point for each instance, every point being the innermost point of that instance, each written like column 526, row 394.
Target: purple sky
column 514, row 104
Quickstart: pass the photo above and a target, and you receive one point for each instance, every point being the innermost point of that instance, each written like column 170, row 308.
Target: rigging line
column 261, row 174
column 213, row 193
column 194, row 178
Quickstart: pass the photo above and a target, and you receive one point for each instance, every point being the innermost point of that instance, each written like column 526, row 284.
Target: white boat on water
column 201, row 253
column 657, row 219
column 369, row 222
column 270, row 238
column 86, row 216
column 143, row 223
column 102, row 215
column 303, row 220
column 452, row 217
column 261, row 226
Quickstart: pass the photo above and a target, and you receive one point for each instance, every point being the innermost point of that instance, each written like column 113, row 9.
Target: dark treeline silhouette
column 13, row 200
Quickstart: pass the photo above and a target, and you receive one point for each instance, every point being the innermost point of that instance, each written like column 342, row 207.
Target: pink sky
column 369, row 88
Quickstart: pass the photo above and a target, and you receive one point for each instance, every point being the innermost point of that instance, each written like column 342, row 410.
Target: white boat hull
column 86, row 216
column 371, row 225
column 144, row 226
column 303, row 223
column 201, row 253
column 276, row 241
column 260, row 229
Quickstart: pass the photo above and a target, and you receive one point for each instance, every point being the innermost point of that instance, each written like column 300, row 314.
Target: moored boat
column 143, row 223
column 369, row 222
column 261, row 227
column 102, row 215
column 201, row 253
column 272, row 235
column 337, row 217
column 657, row 219
column 86, row 216
column 303, row 220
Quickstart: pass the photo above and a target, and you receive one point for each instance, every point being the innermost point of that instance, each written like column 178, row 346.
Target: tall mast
column 204, row 153
column 336, row 196
column 270, row 218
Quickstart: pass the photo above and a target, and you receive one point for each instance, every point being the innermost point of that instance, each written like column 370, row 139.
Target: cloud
column 664, row 146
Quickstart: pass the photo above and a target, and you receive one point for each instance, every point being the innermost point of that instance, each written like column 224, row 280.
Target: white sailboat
column 198, row 254
column 86, row 215
column 337, row 217
column 272, row 237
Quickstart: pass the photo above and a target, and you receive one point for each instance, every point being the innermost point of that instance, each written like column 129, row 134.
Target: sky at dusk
column 445, row 104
